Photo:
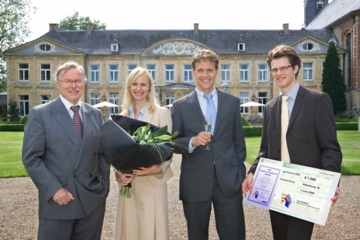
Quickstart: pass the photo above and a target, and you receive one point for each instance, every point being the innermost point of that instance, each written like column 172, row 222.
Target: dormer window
column 114, row 47
column 241, row 47
column 319, row 4
column 308, row 46
column 45, row 47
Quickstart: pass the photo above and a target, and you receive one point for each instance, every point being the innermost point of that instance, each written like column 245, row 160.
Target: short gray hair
column 67, row 66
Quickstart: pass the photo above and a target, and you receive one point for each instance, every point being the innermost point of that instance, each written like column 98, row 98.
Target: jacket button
column 75, row 176
column 95, row 153
column 90, row 175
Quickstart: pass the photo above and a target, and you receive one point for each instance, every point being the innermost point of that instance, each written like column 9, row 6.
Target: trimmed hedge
column 24, row 119
column 12, row 128
column 252, row 131
column 346, row 125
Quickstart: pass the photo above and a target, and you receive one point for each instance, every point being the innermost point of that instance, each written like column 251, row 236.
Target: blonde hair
column 128, row 100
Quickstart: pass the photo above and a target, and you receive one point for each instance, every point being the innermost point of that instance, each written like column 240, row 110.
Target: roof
column 333, row 12
column 221, row 41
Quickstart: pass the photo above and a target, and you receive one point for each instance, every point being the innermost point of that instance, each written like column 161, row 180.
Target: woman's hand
column 124, row 178
column 142, row 171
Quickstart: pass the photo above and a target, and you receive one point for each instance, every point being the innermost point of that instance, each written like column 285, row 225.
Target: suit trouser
column 229, row 216
column 88, row 228
column 285, row 227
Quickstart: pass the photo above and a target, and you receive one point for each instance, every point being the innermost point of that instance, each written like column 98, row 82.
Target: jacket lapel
column 64, row 120
column 87, row 131
column 221, row 108
column 194, row 106
column 148, row 117
column 300, row 99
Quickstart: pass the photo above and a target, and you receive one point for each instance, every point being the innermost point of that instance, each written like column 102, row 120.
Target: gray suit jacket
column 311, row 135
column 228, row 144
column 55, row 156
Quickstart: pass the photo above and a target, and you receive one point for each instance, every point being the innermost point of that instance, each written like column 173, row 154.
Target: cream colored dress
column 144, row 216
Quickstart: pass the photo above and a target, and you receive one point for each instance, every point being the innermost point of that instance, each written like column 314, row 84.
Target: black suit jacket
column 228, row 144
column 311, row 135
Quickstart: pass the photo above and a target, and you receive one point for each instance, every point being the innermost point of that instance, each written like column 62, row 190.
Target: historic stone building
column 109, row 55
column 342, row 18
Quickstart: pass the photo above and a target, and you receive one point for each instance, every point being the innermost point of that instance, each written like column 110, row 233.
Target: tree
column 333, row 80
column 14, row 17
column 13, row 112
column 75, row 22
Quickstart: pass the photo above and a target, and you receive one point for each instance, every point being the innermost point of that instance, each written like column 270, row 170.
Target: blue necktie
column 211, row 110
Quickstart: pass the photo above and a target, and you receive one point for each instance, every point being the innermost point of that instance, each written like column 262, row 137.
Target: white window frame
column 94, row 73
column 114, row 98
column 169, row 72
column 188, row 77
column 308, row 72
column 262, row 74
column 23, row 71
column 244, row 98
column 113, row 73
column 244, row 73
column 241, row 47
column 225, row 73
column 114, row 47
column 131, row 67
column 45, row 99
column 94, row 98
column 23, row 105
column 45, row 73
column 152, row 70
column 169, row 98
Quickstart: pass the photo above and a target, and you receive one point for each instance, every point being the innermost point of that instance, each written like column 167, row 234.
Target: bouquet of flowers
column 128, row 144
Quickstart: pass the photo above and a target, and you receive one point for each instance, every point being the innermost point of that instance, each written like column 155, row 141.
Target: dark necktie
column 77, row 119
column 210, row 110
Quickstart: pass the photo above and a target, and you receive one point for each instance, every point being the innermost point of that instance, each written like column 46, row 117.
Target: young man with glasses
column 310, row 135
column 61, row 152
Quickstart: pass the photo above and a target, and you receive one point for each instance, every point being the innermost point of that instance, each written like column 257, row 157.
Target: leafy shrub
column 24, row 119
column 244, row 122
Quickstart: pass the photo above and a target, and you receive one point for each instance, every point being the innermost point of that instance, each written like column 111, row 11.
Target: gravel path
column 18, row 212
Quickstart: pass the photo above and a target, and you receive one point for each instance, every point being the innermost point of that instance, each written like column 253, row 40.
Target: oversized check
column 299, row 191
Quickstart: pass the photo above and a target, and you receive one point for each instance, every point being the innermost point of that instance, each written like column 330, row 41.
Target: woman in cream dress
column 144, row 216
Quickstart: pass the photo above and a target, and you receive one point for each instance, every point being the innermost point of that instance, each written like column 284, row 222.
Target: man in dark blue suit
column 309, row 139
column 210, row 176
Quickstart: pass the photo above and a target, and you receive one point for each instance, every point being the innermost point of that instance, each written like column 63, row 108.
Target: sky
column 171, row 14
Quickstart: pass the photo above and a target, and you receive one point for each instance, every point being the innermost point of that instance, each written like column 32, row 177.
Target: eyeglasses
column 281, row 69
column 69, row 82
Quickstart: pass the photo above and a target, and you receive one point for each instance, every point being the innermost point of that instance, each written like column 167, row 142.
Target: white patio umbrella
column 252, row 104
column 105, row 104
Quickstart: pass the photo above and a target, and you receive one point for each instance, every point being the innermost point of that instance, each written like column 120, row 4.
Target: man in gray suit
column 61, row 152
column 210, row 176
column 310, row 136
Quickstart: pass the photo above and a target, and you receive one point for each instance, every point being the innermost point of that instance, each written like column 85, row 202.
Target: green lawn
column 11, row 143
column 349, row 143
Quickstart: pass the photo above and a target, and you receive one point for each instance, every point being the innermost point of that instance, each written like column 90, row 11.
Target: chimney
column 88, row 28
column 55, row 26
column 196, row 28
column 286, row 28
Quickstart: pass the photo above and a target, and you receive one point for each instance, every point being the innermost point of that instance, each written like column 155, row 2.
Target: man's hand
column 62, row 196
column 124, row 178
column 154, row 169
column 247, row 184
column 201, row 139
column 336, row 196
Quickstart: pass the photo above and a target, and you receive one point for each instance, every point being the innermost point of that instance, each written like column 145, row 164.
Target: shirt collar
column 200, row 94
column 68, row 104
column 142, row 111
column 293, row 91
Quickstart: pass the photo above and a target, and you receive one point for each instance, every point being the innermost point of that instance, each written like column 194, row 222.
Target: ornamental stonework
column 176, row 48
